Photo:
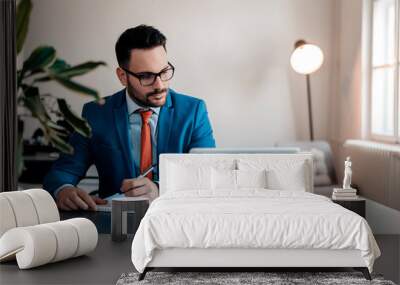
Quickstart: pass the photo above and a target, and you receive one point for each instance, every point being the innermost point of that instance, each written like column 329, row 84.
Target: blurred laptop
column 246, row 150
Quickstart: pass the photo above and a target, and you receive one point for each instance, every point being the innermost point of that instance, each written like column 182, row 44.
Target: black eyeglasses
column 148, row 78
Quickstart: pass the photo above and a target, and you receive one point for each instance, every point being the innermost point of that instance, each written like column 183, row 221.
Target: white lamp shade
column 307, row 59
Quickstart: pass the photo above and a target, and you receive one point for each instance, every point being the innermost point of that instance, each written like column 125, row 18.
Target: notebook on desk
column 119, row 197
column 107, row 207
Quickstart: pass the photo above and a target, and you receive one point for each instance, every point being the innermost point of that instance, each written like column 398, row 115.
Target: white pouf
column 37, row 245
column 31, row 231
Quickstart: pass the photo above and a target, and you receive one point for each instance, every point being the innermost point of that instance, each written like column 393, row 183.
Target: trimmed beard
column 141, row 102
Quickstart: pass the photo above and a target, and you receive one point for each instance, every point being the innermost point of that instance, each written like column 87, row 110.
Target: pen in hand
column 147, row 171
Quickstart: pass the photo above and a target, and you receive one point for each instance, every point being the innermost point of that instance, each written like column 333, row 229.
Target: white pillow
column 282, row 174
column 252, row 178
column 236, row 179
column 292, row 179
column 182, row 177
column 223, row 179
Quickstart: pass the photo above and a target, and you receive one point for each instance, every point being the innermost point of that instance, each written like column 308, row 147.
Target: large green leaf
column 39, row 59
column 34, row 104
column 23, row 13
column 56, row 137
column 61, row 69
column 81, row 69
column 59, row 143
column 77, row 87
column 56, row 127
column 59, row 65
column 80, row 125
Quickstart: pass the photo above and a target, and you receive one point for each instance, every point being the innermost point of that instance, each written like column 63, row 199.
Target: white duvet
column 250, row 218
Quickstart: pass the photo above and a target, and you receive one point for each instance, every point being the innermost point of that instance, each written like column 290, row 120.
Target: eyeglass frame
column 138, row 75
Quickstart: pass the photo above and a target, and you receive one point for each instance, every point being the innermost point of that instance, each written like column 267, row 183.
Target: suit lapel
column 165, row 124
column 121, row 123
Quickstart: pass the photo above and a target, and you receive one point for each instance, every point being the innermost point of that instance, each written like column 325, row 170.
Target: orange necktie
column 145, row 151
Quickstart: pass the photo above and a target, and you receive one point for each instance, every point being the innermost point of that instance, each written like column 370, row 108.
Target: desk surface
column 102, row 266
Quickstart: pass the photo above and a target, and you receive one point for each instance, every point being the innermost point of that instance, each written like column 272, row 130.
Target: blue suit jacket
column 183, row 123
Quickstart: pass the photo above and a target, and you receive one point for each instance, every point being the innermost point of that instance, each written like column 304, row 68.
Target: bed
column 247, row 210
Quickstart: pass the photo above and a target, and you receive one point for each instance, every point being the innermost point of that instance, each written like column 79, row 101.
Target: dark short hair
column 140, row 37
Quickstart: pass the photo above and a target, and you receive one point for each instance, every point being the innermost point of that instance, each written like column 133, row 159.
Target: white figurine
column 347, row 174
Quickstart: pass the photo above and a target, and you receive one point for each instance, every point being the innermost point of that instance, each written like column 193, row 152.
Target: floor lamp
column 306, row 59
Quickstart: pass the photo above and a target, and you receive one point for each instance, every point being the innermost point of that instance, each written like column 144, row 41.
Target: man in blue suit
column 132, row 127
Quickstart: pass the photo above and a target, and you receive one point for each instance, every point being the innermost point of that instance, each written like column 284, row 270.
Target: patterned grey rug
column 231, row 278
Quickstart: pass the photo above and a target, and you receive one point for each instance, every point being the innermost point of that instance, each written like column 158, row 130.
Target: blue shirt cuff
column 55, row 193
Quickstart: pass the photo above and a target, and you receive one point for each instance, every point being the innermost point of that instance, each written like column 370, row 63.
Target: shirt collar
column 133, row 107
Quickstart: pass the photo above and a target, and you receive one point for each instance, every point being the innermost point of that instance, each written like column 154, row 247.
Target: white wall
column 232, row 53
column 346, row 97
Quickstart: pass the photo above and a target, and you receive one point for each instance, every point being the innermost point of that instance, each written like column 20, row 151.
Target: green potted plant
column 44, row 65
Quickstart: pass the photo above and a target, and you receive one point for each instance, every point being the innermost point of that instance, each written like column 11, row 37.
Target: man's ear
column 121, row 74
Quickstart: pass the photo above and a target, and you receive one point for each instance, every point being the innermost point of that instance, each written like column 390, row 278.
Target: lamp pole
column 310, row 119
column 306, row 59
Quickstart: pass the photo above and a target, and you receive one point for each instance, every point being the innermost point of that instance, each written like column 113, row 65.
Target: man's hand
column 73, row 198
column 140, row 186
